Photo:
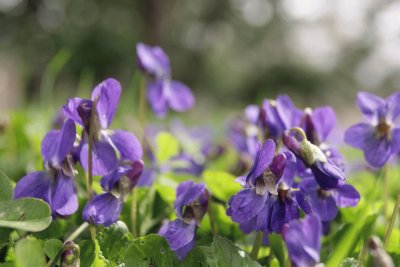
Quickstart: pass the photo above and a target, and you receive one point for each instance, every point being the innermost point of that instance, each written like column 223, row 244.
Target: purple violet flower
column 380, row 137
column 106, row 142
column 190, row 205
column 279, row 115
column 163, row 92
column 303, row 240
column 327, row 174
column 313, row 199
column 318, row 123
column 56, row 184
column 105, row 208
column 266, row 203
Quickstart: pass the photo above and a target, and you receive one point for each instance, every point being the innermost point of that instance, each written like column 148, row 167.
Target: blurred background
column 231, row 53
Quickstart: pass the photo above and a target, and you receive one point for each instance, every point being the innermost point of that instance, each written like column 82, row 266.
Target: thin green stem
column 299, row 131
column 142, row 118
column 90, row 163
column 211, row 216
column 77, row 232
column 363, row 254
column 385, row 190
column 134, row 214
column 256, row 246
column 391, row 223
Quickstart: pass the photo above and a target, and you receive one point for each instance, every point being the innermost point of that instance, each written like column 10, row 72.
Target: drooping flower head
column 56, row 184
column 266, row 203
column 163, row 92
column 327, row 174
column 190, row 205
column 379, row 138
column 105, row 208
column 303, row 240
column 106, row 143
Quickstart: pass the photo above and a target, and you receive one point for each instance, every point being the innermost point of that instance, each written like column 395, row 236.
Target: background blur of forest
column 231, row 53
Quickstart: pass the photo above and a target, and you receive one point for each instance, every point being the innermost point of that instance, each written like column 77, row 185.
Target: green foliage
column 152, row 209
column 90, row 254
column 114, row 241
column 221, row 184
column 167, row 146
column 278, row 248
column 347, row 238
column 195, row 258
column 147, row 250
column 29, row 253
column 6, row 188
column 225, row 253
column 52, row 247
column 28, row 214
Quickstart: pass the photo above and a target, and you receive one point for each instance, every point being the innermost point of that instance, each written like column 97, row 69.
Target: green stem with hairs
column 142, row 118
column 256, row 246
column 392, row 221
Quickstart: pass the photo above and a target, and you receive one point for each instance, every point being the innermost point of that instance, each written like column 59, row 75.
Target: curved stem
column 77, row 232
column 392, row 221
column 256, row 246
column 300, row 131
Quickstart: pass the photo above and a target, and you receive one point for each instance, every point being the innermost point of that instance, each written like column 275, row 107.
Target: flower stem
column 77, row 232
column 392, row 221
column 385, row 191
column 142, row 119
column 90, row 163
column 211, row 216
column 134, row 213
column 256, row 246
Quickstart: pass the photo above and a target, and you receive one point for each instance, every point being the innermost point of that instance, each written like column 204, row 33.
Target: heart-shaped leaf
column 6, row 189
column 28, row 214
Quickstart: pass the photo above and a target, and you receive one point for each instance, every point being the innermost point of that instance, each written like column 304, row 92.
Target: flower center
column 383, row 129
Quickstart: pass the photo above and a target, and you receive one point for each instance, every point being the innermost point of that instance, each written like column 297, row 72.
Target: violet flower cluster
column 190, row 206
column 162, row 92
column 307, row 174
column 116, row 156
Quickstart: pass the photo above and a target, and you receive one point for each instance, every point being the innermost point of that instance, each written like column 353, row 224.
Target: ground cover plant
column 280, row 189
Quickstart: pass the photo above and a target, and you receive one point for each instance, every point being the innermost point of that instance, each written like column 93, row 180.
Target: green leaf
column 147, row 250
column 195, row 258
column 347, row 238
column 114, row 241
column 6, row 189
column 221, row 184
column 52, row 247
column 152, row 209
column 167, row 146
column 224, row 253
column 4, row 236
column 28, row 253
column 90, row 254
column 28, row 214
column 349, row 262
column 278, row 248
